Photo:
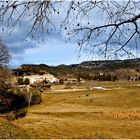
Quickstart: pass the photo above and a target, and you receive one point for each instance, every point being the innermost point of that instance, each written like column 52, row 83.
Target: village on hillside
column 43, row 74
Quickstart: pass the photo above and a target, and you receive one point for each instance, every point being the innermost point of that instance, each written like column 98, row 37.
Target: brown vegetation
column 5, row 82
column 110, row 113
column 14, row 99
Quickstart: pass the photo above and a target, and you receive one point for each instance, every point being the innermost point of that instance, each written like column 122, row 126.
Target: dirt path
column 68, row 90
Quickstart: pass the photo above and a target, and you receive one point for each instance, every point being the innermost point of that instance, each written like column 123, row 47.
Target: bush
column 20, row 81
column 26, row 81
column 10, row 101
column 61, row 81
column 69, row 85
column 20, row 113
column 5, row 77
column 15, row 99
column 15, row 114
column 29, row 98
column 36, row 99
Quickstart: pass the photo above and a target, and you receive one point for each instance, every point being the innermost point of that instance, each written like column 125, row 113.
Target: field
column 110, row 110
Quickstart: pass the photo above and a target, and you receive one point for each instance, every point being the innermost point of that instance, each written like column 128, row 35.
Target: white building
column 40, row 78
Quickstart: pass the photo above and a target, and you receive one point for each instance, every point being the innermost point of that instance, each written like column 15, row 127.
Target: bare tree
column 5, row 74
column 5, row 82
column 4, row 54
column 117, row 33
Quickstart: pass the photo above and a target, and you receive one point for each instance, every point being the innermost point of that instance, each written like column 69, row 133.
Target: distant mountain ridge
column 85, row 66
column 111, row 64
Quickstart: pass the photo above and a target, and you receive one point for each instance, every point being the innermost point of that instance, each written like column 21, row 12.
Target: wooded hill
column 76, row 69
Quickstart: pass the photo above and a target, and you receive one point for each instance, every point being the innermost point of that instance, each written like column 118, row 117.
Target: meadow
column 111, row 111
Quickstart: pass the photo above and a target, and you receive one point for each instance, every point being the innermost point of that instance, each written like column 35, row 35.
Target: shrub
column 5, row 77
column 36, row 99
column 20, row 81
column 69, row 85
column 61, row 81
column 26, row 81
column 15, row 99
column 20, row 113
column 15, row 114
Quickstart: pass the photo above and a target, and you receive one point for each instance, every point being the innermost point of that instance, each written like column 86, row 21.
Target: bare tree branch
column 118, row 28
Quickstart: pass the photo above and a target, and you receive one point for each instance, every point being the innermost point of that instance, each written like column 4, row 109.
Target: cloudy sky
column 42, row 47
column 53, row 50
column 50, row 49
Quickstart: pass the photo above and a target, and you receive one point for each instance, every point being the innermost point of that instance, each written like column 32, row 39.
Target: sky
column 42, row 47
column 53, row 50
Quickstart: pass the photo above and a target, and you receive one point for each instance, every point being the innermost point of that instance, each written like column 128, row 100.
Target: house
column 71, row 80
column 49, row 78
column 135, row 78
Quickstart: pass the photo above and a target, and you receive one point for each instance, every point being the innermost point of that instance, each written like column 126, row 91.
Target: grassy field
column 110, row 113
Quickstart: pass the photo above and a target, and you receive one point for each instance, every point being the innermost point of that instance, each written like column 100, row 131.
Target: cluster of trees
column 105, row 77
column 15, row 99
column 99, row 76
column 5, row 74
column 22, row 81
column 5, row 82
column 12, row 99
column 27, row 69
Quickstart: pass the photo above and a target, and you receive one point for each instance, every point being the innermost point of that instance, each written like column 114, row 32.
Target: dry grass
column 111, row 113
column 10, row 131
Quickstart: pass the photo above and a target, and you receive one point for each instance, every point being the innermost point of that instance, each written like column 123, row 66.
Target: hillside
column 111, row 64
column 86, row 66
